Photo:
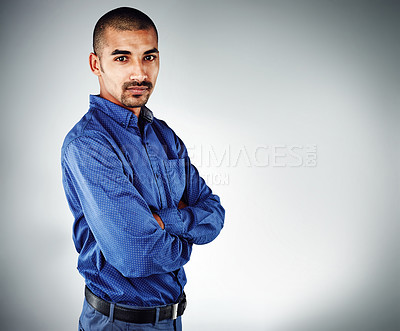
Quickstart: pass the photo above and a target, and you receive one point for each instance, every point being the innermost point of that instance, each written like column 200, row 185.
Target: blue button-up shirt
column 117, row 170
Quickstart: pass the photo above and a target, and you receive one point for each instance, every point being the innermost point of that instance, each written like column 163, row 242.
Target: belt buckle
column 175, row 311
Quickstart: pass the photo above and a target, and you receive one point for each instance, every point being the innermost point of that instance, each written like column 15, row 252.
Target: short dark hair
column 123, row 18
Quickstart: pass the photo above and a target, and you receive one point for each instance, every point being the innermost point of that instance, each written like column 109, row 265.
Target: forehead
column 131, row 40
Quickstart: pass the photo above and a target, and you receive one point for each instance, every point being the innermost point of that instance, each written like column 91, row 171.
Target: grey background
column 304, row 247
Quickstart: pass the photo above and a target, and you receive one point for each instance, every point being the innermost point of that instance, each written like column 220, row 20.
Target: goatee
column 131, row 101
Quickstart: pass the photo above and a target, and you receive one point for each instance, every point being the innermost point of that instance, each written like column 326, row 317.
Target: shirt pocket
column 176, row 175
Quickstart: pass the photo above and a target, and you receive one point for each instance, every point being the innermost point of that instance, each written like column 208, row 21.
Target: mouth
column 138, row 90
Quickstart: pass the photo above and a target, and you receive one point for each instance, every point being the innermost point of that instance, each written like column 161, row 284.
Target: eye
column 150, row 58
column 121, row 59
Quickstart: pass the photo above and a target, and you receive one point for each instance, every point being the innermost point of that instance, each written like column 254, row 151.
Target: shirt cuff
column 172, row 220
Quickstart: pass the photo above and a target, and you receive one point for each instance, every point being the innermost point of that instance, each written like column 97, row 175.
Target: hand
column 159, row 221
column 182, row 204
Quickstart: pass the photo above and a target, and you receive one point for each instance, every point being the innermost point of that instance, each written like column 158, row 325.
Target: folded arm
column 121, row 221
column 199, row 217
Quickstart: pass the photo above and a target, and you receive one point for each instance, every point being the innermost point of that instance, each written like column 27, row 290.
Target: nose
column 137, row 72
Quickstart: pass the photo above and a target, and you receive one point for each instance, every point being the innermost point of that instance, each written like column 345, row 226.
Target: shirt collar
column 119, row 114
column 147, row 114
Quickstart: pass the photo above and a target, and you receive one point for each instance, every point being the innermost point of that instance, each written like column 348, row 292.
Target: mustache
column 136, row 83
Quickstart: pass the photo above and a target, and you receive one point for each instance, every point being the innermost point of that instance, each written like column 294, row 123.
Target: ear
column 94, row 63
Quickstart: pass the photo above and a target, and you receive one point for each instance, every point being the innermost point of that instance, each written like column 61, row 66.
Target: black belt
column 140, row 316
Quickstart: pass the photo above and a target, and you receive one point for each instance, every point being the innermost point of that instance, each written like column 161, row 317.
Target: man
column 139, row 204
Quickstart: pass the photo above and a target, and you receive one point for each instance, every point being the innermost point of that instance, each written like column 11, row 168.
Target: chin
column 133, row 102
column 134, row 105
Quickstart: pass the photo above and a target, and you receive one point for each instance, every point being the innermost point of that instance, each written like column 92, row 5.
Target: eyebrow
column 153, row 50
column 119, row 52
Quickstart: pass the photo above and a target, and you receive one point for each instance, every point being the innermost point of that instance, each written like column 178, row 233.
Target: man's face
column 127, row 66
